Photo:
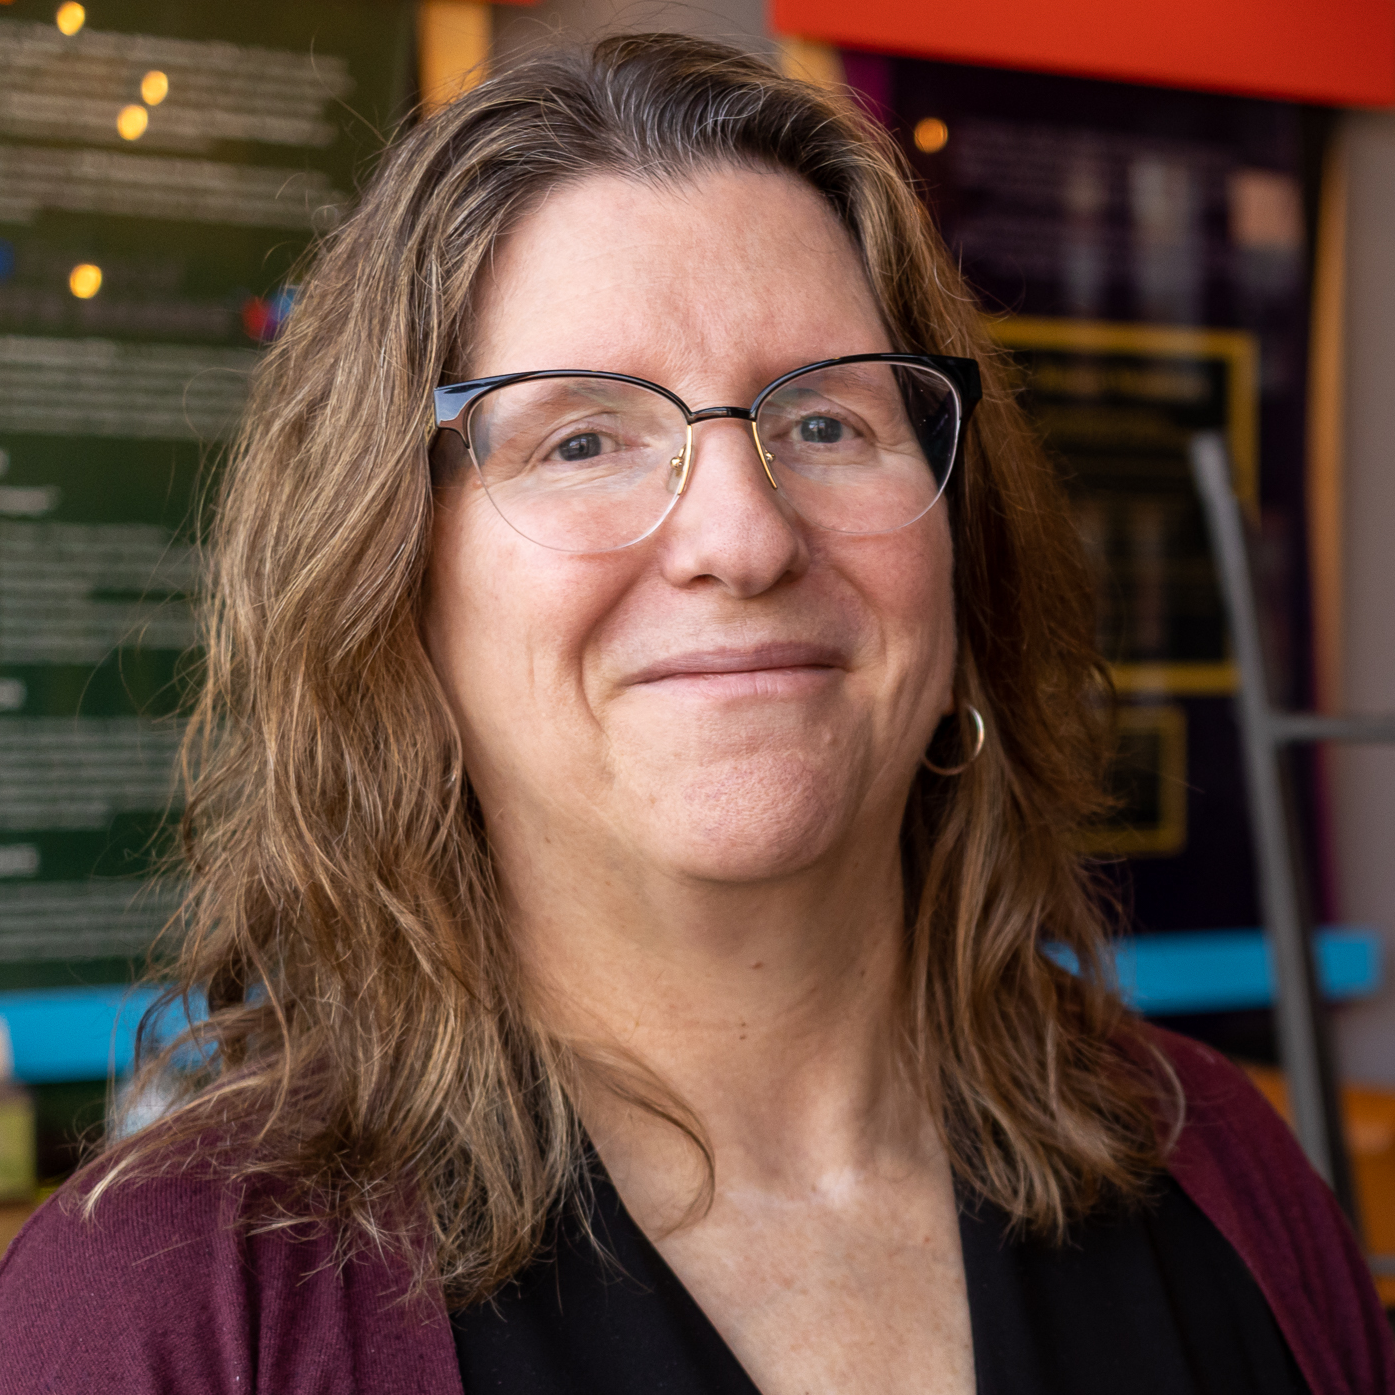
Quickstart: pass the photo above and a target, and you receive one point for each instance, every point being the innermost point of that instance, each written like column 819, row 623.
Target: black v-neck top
column 1153, row 1303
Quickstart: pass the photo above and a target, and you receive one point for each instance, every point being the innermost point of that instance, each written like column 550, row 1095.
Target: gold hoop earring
column 979, row 737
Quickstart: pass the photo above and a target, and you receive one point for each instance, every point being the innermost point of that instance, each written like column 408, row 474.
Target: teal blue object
column 89, row 1033
column 74, row 1033
column 1226, row 970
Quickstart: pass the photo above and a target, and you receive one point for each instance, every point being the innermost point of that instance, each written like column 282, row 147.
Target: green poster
column 162, row 167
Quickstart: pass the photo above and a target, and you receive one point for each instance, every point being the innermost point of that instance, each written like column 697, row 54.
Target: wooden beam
column 452, row 48
column 1326, row 411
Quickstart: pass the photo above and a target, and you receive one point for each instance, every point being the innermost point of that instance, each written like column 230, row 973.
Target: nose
column 731, row 527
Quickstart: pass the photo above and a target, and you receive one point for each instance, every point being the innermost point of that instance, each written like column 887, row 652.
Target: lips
column 700, row 663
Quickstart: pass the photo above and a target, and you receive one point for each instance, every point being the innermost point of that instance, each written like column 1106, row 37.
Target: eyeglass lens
column 589, row 464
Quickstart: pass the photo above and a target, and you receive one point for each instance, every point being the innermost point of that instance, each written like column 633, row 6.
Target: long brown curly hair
column 366, row 1045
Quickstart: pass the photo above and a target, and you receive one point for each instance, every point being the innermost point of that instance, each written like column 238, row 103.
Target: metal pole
column 1313, row 726
column 1301, row 1022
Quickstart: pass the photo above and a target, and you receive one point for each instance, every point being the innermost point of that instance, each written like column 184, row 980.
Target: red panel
column 1338, row 52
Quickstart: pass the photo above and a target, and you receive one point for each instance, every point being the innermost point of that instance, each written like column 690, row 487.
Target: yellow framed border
column 1240, row 352
column 1176, row 680
column 1235, row 346
column 1169, row 835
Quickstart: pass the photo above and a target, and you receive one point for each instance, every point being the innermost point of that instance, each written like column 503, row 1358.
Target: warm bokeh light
column 132, row 121
column 931, row 134
column 154, row 88
column 70, row 18
column 85, row 280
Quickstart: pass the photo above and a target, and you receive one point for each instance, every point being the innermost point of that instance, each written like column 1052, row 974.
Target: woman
column 623, row 849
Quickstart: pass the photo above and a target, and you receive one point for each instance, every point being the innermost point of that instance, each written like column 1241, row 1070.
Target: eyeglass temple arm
column 964, row 374
column 452, row 402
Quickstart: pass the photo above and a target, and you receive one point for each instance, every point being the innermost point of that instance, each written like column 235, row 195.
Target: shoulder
column 168, row 1285
column 1232, row 1144
column 115, row 1295
column 1221, row 1100
column 1240, row 1163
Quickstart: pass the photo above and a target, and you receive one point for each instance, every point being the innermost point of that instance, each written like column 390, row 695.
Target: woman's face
column 739, row 695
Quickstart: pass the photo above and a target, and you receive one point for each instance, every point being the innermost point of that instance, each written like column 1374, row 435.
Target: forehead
column 735, row 272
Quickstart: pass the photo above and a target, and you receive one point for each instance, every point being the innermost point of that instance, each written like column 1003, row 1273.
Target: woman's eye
column 820, row 431
column 583, row 447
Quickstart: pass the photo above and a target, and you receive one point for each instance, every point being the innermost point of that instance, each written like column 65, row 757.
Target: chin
column 745, row 825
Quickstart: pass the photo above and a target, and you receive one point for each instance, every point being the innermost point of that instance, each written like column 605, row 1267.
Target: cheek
column 907, row 583
column 475, row 638
column 506, row 626
column 454, row 623
column 934, row 613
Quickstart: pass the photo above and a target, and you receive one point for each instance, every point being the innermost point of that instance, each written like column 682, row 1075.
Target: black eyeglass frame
column 454, row 404
column 454, row 400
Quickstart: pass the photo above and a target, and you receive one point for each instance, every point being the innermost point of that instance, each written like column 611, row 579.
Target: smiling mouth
column 764, row 658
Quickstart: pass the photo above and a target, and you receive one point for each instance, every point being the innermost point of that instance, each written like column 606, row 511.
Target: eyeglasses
column 590, row 462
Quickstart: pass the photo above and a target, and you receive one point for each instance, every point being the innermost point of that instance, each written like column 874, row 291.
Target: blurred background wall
column 1172, row 227
column 1363, row 782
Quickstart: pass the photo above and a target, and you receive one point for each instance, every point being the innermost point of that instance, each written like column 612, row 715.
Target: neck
column 769, row 1011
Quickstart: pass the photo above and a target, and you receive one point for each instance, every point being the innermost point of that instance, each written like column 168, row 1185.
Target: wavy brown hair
column 366, row 1048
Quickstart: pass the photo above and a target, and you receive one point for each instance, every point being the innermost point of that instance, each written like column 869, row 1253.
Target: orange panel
column 1369, row 1119
column 1340, row 53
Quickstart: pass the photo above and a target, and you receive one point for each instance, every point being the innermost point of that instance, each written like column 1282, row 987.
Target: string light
column 85, row 280
column 70, row 18
column 930, row 135
column 131, row 122
column 154, row 88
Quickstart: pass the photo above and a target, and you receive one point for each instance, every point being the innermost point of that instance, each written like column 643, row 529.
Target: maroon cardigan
column 164, row 1292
